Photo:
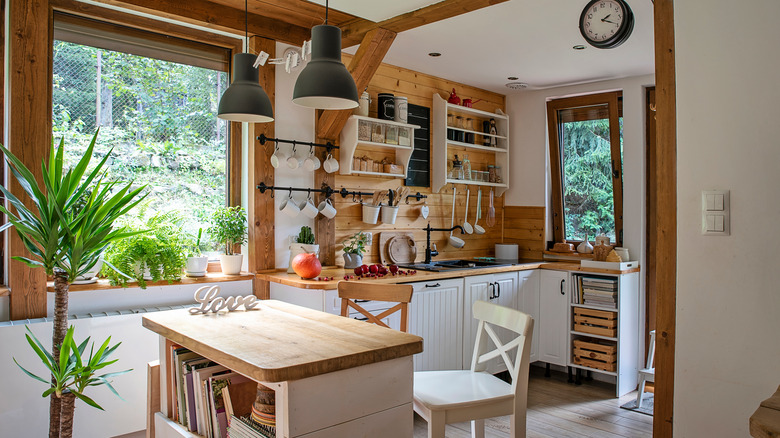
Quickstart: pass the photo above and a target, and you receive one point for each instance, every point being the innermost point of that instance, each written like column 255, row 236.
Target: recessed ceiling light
column 517, row 85
column 434, row 54
column 513, row 78
column 578, row 47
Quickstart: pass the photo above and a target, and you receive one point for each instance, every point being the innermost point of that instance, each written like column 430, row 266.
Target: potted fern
column 229, row 228
column 65, row 234
column 304, row 242
column 157, row 254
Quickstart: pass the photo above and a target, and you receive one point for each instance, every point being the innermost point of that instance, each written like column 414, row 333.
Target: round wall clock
column 606, row 24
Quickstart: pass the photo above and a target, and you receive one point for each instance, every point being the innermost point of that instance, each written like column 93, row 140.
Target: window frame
column 613, row 100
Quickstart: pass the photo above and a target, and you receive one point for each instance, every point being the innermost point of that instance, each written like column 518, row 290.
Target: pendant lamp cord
column 326, row 12
column 246, row 24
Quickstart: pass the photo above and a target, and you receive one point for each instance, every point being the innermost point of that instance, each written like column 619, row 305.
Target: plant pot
column 300, row 248
column 352, row 261
column 389, row 214
column 197, row 266
column 142, row 267
column 231, row 264
column 370, row 213
column 90, row 276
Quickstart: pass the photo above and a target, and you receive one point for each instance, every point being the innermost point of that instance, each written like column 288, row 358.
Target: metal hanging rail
column 328, row 146
column 328, row 191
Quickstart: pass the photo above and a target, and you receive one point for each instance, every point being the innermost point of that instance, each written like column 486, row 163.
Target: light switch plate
column 715, row 213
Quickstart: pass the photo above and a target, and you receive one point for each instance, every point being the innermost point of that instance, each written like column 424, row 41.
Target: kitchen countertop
column 278, row 341
column 281, row 276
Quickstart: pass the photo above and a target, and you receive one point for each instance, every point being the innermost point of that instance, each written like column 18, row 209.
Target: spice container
column 466, row 167
column 404, row 138
column 469, row 136
column 378, row 133
column 459, row 124
column 491, row 173
column 391, row 134
column 457, row 168
column 364, row 130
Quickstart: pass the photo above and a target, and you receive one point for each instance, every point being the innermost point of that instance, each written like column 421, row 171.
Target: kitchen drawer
column 452, row 283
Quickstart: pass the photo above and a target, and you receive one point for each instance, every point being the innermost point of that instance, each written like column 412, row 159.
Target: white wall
column 293, row 122
column 728, row 300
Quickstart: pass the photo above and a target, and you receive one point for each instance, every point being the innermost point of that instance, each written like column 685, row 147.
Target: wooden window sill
column 4, row 291
column 104, row 284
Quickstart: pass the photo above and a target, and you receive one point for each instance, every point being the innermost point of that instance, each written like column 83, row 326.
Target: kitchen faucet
column 433, row 253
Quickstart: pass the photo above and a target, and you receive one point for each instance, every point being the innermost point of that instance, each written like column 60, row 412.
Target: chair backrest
column 517, row 322
column 350, row 292
column 651, row 352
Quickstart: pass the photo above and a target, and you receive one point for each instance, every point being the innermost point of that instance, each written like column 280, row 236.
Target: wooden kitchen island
column 333, row 376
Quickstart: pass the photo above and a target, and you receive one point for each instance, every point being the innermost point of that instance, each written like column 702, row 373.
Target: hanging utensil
column 457, row 242
column 466, row 225
column 491, row 213
column 478, row 228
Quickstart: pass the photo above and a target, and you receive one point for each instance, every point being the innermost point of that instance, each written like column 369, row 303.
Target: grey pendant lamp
column 245, row 100
column 325, row 83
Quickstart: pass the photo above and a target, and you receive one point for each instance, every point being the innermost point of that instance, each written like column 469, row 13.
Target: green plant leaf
column 87, row 400
column 31, row 374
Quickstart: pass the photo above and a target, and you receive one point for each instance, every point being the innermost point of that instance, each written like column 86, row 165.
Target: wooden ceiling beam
column 218, row 17
column 369, row 56
column 353, row 32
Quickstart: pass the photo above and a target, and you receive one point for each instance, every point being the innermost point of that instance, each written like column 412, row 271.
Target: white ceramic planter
column 197, row 266
column 91, row 275
column 300, row 248
column 352, row 261
column 231, row 264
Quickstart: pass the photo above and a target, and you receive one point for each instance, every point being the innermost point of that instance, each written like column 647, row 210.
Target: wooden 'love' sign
column 210, row 302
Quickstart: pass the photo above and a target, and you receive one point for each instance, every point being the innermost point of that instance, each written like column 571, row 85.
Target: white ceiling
column 529, row 39
column 376, row 10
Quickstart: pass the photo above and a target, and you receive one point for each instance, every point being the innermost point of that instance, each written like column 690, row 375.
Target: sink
column 451, row 265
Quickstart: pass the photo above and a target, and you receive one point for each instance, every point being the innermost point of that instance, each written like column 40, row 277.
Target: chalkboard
column 419, row 172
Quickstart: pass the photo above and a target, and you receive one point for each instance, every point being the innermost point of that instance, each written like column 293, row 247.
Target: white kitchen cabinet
column 327, row 301
column 528, row 302
column 500, row 289
column 436, row 315
column 554, row 317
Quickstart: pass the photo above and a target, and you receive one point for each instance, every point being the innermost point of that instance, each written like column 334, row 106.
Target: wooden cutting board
column 401, row 249
column 384, row 248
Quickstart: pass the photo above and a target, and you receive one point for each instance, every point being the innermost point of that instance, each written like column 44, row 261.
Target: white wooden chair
column 443, row 397
column 647, row 374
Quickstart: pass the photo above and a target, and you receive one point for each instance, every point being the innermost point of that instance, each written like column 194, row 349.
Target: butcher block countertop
column 277, row 341
column 281, row 276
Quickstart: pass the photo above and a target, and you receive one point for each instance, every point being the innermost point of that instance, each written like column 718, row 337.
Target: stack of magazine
column 597, row 291
column 244, row 427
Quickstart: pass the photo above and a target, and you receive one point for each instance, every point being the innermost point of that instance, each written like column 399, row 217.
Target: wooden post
column 28, row 134
column 666, row 218
column 261, row 206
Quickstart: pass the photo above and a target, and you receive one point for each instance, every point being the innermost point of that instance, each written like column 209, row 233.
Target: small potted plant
column 304, row 242
column 229, row 228
column 197, row 263
column 354, row 247
column 157, row 254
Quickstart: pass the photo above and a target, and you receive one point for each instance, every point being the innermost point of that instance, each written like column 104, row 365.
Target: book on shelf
column 179, row 356
column 189, row 389
column 200, row 378
column 244, row 427
column 216, row 384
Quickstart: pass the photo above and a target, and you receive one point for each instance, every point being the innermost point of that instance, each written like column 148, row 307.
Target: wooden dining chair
column 453, row 396
column 352, row 293
column 647, row 374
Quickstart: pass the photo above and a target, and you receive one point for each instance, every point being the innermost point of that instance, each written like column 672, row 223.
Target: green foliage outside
column 160, row 119
column 588, row 203
column 229, row 227
column 161, row 250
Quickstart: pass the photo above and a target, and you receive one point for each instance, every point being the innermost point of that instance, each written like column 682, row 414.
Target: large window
column 586, row 150
column 154, row 109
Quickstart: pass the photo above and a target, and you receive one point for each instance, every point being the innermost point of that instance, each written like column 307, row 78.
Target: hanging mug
column 385, row 106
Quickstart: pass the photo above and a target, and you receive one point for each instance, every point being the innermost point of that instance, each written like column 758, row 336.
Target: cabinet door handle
column 498, row 286
column 492, row 291
column 362, row 301
column 562, row 292
column 433, row 285
column 365, row 318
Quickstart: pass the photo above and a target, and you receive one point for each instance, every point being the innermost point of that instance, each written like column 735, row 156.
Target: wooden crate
column 596, row 322
column 596, row 354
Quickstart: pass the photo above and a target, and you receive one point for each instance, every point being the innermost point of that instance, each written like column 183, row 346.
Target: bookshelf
column 604, row 326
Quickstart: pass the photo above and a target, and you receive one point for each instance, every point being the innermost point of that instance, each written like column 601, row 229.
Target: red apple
column 383, row 270
column 358, row 270
column 393, row 269
column 364, row 269
column 373, row 269
column 307, row 265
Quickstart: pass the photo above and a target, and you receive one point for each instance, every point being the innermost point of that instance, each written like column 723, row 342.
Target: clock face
column 606, row 23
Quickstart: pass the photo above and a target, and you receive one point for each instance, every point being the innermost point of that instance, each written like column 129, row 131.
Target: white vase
column 197, row 266
column 231, row 264
column 300, row 248
column 585, row 247
column 90, row 276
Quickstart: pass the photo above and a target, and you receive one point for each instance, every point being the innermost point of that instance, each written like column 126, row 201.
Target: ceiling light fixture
column 245, row 100
column 434, row 54
column 325, row 83
column 513, row 78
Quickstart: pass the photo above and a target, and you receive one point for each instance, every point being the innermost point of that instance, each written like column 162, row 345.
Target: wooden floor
column 557, row 409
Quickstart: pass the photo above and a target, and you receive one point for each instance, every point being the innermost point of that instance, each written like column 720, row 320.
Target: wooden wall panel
column 28, row 134
column 419, row 89
column 525, row 227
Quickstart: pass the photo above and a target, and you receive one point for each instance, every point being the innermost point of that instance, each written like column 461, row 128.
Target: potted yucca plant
column 66, row 231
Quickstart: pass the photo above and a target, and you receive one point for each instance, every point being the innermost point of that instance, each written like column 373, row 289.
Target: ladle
column 457, row 242
column 466, row 225
column 478, row 228
column 491, row 213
